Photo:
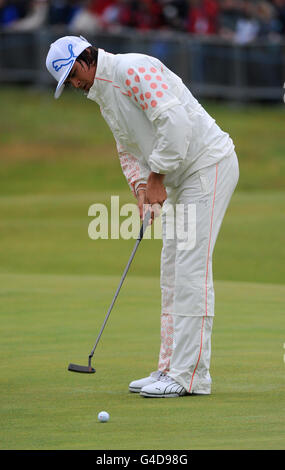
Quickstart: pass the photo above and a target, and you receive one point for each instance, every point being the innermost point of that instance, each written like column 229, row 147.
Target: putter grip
column 144, row 225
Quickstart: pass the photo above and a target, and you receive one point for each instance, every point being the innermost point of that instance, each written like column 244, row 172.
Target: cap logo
column 59, row 63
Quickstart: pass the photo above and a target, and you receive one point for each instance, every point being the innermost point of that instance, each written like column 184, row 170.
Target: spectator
column 228, row 18
column 247, row 25
column 97, row 7
column 88, row 19
column 269, row 24
column 117, row 14
column 174, row 13
column 280, row 10
column 143, row 15
column 11, row 11
column 125, row 11
column 61, row 12
column 110, row 17
column 203, row 17
column 147, row 15
column 120, row 13
column 36, row 17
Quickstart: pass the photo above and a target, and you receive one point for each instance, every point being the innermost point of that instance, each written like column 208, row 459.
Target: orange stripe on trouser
column 200, row 351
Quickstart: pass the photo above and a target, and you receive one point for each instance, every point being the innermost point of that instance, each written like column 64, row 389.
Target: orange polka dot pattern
column 152, row 80
column 166, row 347
column 129, row 166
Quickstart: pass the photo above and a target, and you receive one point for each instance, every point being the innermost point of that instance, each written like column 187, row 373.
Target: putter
column 89, row 369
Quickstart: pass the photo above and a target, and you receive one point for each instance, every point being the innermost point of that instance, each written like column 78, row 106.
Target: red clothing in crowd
column 147, row 15
column 202, row 18
column 98, row 6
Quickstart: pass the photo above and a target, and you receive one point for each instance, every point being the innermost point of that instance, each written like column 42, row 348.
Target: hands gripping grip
column 145, row 223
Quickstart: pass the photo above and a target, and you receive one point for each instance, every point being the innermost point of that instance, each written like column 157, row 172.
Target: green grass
column 49, row 234
column 51, row 320
column 56, row 284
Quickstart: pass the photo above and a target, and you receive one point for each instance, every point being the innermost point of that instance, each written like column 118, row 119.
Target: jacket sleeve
column 149, row 89
column 173, row 133
column 135, row 172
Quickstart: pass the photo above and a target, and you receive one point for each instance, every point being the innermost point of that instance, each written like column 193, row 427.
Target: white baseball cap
column 61, row 57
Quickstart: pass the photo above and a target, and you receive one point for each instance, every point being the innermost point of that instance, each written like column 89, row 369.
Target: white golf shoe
column 165, row 387
column 137, row 385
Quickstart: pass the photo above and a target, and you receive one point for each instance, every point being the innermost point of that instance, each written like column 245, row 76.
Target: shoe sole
column 134, row 390
column 168, row 395
column 172, row 395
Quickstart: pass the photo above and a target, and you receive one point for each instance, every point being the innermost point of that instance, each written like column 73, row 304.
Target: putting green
column 49, row 321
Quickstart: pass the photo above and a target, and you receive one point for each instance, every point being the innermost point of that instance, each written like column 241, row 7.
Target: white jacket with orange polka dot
column 157, row 123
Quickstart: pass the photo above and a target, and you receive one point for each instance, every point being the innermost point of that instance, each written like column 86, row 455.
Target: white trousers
column 191, row 219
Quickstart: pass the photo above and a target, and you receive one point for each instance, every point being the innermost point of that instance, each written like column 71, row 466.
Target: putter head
column 82, row 369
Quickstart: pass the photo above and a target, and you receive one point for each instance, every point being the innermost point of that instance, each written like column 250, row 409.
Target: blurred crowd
column 240, row 21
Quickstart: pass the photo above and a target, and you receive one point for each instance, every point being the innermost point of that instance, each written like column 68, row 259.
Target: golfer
column 175, row 155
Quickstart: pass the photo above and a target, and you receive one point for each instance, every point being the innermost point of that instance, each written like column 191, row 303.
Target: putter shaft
column 140, row 237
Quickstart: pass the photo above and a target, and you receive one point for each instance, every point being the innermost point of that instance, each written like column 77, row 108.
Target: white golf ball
column 103, row 416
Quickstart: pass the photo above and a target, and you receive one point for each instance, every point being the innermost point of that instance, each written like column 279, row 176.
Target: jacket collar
column 104, row 74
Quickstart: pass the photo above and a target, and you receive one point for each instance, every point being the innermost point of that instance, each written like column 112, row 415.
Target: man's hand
column 151, row 196
column 155, row 190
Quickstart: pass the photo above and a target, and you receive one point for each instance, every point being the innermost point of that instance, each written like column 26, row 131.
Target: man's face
column 81, row 76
